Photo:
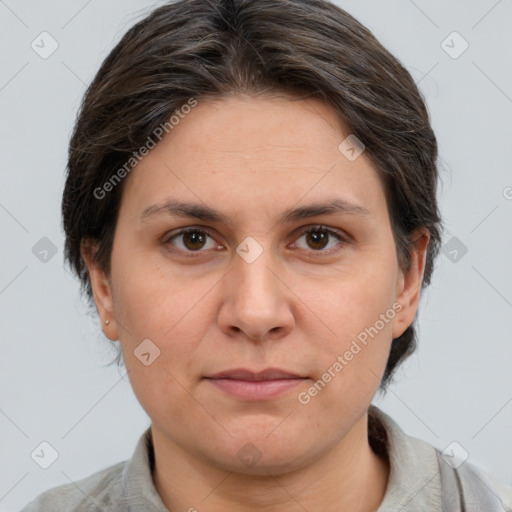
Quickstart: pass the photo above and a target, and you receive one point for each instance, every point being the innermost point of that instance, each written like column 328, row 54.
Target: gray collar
column 137, row 481
column 419, row 478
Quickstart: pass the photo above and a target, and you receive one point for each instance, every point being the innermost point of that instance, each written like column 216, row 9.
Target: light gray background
column 53, row 387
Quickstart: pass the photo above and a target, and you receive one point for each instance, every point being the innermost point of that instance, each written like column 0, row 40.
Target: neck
column 349, row 477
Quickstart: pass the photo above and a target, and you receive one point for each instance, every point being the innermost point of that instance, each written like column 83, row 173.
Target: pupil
column 196, row 238
column 316, row 237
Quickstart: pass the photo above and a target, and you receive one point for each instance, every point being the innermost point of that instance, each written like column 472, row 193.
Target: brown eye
column 317, row 239
column 321, row 239
column 191, row 240
column 194, row 240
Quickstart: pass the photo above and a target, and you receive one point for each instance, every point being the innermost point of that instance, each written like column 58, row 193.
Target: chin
column 274, row 466
column 263, row 457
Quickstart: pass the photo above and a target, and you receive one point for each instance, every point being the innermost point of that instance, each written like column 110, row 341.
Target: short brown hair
column 211, row 48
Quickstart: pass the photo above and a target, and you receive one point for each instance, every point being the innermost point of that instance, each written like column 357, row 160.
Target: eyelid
column 322, row 227
column 343, row 237
column 181, row 231
column 168, row 237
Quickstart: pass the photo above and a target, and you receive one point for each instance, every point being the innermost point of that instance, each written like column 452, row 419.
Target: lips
column 248, row 385
column 248, row 375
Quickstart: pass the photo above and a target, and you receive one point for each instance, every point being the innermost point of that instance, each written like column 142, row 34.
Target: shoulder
column 502, row 490
column 476, row 487
column 423, row 477
column 95, row 492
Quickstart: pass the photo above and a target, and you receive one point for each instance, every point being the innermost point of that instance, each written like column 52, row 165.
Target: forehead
column 254, row 154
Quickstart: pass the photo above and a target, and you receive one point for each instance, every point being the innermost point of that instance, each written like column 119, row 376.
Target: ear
column 410, row 282
column 102, row 290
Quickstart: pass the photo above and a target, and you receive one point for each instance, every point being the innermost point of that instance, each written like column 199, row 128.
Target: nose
column 257, row 303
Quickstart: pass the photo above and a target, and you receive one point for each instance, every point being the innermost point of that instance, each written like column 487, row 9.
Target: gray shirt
column 420, row 480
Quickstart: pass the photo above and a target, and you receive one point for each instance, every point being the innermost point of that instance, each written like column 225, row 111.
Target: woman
column 251, row 204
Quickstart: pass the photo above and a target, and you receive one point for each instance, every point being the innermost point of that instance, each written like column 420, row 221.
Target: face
column 266, row 276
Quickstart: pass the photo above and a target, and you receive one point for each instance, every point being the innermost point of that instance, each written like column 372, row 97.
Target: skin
column 298, row 306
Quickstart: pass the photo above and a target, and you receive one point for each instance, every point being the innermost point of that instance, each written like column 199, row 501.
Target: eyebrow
column 205, row 213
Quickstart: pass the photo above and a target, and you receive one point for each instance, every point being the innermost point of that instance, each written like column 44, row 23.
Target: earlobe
column 102, row 290
column 410, row 283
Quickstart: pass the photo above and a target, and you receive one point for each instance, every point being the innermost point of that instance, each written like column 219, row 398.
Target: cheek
column 357, row 299
column 359, row 312
column 151, row 301
column 150, row 304
column 170, row 308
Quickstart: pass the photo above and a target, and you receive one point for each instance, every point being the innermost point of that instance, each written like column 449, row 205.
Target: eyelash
column 307, row 229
